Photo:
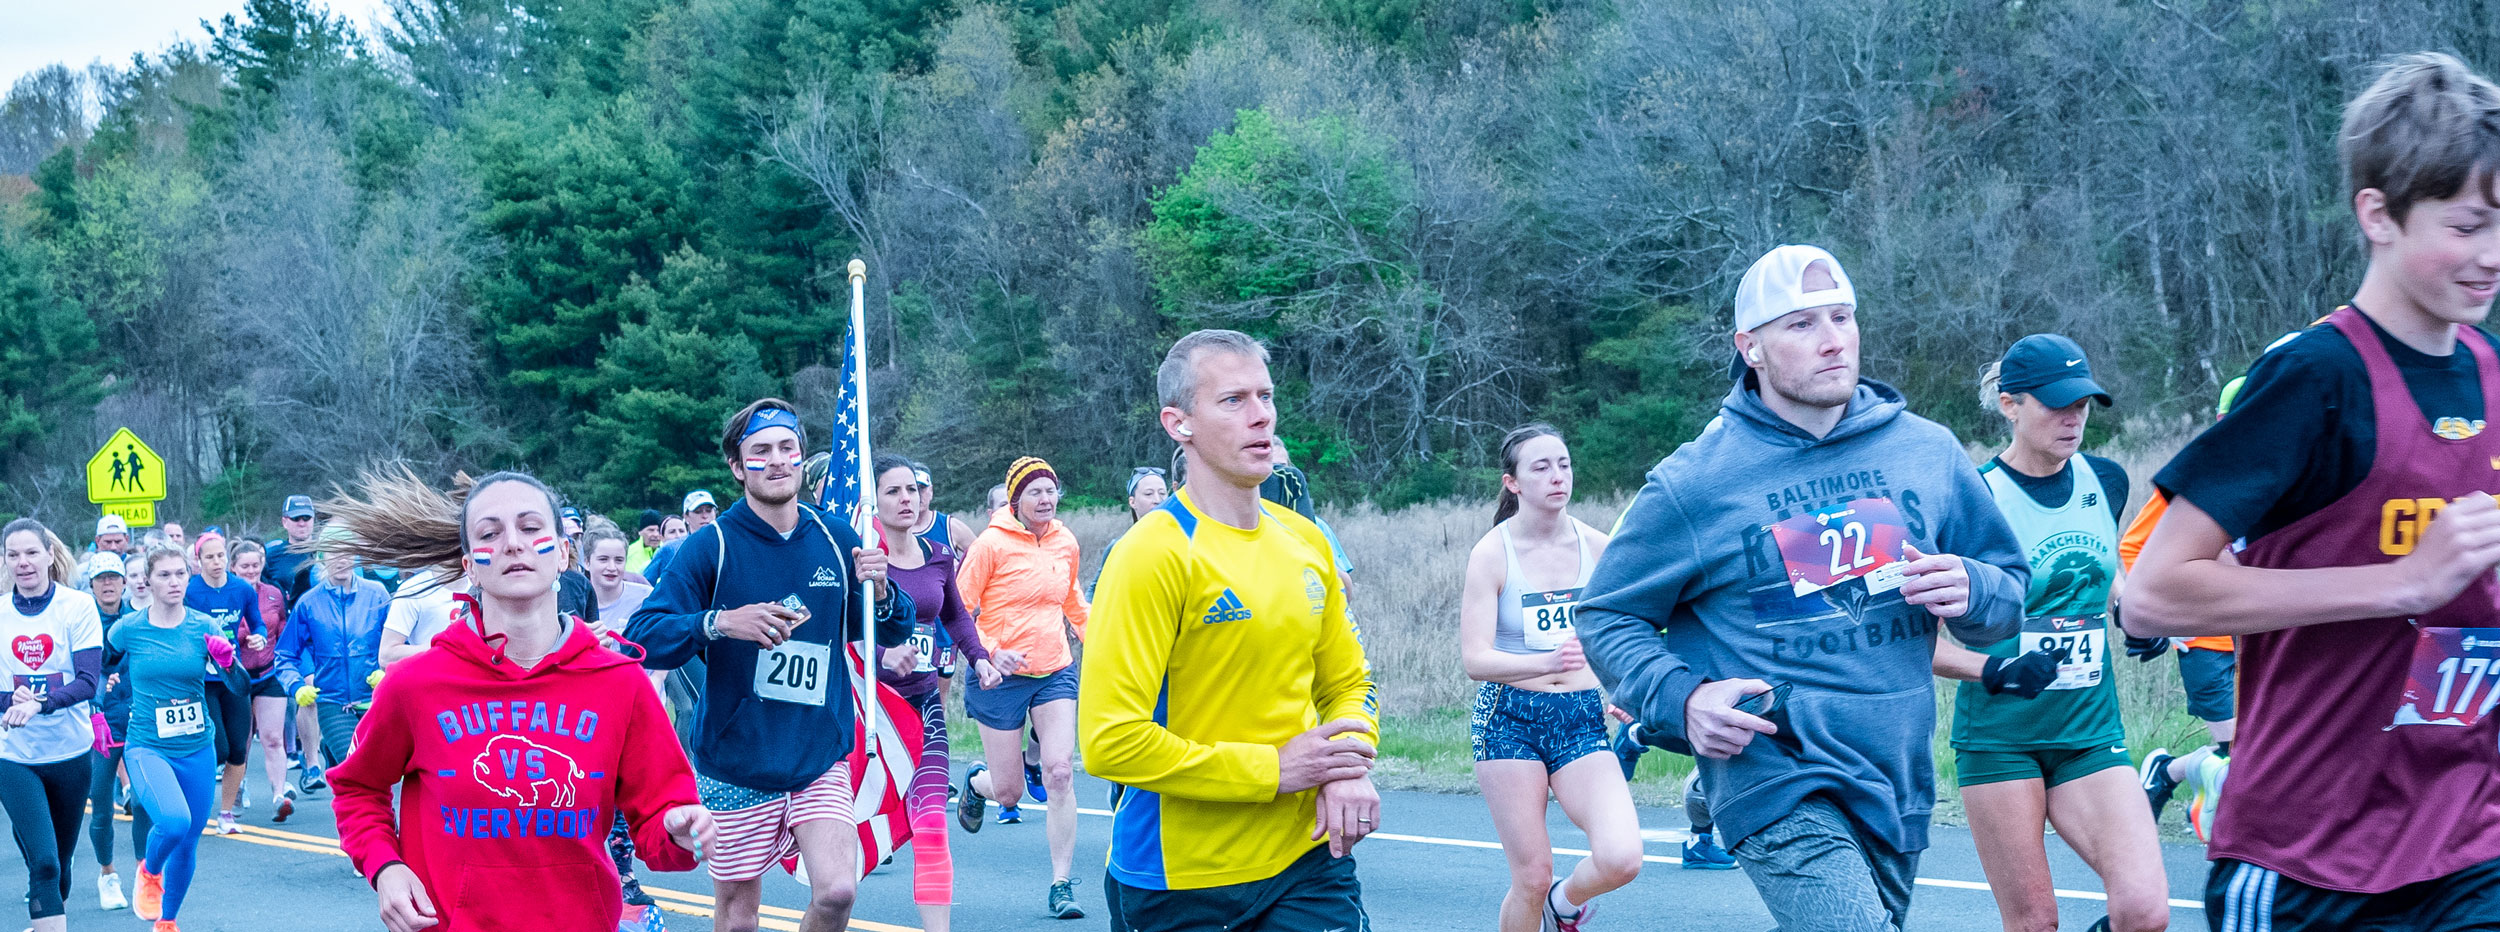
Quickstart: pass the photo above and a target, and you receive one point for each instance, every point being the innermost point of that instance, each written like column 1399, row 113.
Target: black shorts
column 2209, row 676
column 2239, row 895
column 1316, row 893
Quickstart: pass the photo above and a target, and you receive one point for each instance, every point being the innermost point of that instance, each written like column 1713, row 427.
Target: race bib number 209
column 796, row 671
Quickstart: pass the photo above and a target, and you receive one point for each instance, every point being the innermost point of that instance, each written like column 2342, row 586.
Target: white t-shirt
column 423, row 609
column 614, row 615
column 38, row 655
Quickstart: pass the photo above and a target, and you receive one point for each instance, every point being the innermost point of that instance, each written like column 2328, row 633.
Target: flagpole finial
column 859, row 270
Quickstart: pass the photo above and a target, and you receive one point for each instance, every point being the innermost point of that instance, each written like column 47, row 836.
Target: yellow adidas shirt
column 1212, row 646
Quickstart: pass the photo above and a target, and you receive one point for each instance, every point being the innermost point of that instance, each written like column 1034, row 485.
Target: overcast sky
column 35, row 33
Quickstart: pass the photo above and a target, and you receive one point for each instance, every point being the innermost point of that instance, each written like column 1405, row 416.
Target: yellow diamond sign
column 125, row 471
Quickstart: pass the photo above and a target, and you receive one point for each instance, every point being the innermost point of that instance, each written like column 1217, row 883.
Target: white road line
column 1664, row 859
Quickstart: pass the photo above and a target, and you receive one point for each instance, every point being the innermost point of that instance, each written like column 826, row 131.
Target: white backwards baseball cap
column 1775, row 286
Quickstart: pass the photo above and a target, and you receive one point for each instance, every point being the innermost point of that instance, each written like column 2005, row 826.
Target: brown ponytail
column 403, row 522
column 1507, row 504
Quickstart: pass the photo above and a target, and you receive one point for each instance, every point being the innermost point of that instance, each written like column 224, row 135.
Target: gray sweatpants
column 1819, row 873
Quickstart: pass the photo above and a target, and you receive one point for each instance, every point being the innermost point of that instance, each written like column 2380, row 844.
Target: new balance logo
column 1227, row 608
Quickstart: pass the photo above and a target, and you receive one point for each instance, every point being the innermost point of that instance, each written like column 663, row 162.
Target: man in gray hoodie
column 1809, row 539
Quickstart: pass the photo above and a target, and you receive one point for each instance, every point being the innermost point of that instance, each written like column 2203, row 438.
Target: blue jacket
column 334, row 636
column 744, row 739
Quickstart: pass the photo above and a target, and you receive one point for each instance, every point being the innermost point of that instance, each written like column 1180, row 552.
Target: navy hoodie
column 743, row 739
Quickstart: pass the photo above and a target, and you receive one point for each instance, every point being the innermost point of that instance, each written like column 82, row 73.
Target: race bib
column 794, row 672
column 924, row 640
column 1862, row 539
column 2085, row 640
column 1545, row 617
column 40, row 685
column 2454, row 678
column 180, row 718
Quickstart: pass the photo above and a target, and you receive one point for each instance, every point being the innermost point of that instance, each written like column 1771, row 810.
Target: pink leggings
column 932, row 866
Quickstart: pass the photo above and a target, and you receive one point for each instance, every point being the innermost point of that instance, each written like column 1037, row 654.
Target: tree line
column 572, row 236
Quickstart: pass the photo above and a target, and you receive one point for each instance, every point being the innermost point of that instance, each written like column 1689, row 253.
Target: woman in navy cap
column 2036, row 732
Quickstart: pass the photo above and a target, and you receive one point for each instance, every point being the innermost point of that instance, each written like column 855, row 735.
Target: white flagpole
column 866, row 690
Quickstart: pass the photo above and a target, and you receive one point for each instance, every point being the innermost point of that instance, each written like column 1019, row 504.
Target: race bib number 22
column 1862, row 539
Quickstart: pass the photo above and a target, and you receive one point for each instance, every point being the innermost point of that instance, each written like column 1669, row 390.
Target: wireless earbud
column 1754, row 355
column 1186, row 432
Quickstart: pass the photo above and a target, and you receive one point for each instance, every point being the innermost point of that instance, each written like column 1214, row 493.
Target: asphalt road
column 1433, row 867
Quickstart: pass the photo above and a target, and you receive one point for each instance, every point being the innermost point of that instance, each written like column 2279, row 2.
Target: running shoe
column 2208, row 778
column 243, row 799
column 164, row 925
column 1557, row 922
column 1704, row 854
column 225, row 824
column 286, row 805
column 634, row 895
column 2154, row 776
column 1628, row 747
column 313, row 783
column 1063, row 901
column 641, row 919
column 1033, row 784
column 108, row 892
column 1010, row 815
column 969, row 806
column 148, row 902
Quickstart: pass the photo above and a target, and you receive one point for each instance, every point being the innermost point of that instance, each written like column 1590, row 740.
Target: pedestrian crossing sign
column 125, row 472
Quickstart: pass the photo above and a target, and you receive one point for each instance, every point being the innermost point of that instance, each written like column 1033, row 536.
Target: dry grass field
column 1407, row 565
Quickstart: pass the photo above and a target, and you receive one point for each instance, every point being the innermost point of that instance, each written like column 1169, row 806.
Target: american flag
column 841, row 498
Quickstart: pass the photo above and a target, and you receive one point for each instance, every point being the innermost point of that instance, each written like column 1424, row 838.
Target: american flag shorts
column 752, row 830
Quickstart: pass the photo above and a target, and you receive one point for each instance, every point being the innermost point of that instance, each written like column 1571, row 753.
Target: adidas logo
column 1227, row 608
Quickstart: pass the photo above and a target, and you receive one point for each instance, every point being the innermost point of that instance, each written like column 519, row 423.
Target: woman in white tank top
column 1539, row 724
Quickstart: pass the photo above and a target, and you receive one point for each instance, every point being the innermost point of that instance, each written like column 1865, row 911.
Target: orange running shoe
column 165, row 925
column 148, row 902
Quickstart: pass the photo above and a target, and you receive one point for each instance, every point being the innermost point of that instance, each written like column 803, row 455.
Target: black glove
column 2142, row 649
column 2023, row 676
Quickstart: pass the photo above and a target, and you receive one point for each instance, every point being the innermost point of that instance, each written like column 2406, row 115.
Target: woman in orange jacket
column 1020, row 581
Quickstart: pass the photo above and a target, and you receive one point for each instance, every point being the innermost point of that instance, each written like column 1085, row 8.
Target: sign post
column 126, row 478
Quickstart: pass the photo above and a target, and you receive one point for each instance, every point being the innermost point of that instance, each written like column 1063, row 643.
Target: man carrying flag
column 768, row 596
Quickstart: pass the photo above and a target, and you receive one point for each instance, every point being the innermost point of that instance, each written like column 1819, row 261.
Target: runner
column 269, row 705
column 672, row 530
column 926, row 570
column 420, row 611
column 172, row 533
column 1805, row 546
column 2045, row 745
column 767, row 596
column 235, row 605
column 1147, row 488
column 112, row 535
column 329, row 657
column 2356, row 611
column 500, row 813
column 699, row 510
column 56, row 661
column 647, row 541
column 1021, row 583
column 172, row 759
column 1225, row 684
column 108, row 579
column 1539, row 727
column 946, row 530
column 290, row 559
column 1701, row 852
column 998, row 497
column 2208, row 667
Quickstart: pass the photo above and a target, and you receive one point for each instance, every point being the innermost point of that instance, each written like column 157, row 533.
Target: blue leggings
column 179, row 793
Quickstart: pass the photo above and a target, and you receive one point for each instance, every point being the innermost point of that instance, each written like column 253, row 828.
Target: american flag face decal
column 482, row 556
column 544, row 545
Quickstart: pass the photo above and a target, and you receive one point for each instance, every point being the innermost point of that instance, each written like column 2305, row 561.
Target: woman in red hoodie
column 514, row 742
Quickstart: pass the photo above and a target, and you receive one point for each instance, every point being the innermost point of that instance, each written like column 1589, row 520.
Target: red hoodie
column 508, row 781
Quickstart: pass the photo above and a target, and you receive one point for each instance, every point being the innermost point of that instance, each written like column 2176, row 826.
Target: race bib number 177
column 1862, row 539
column 2454, row 678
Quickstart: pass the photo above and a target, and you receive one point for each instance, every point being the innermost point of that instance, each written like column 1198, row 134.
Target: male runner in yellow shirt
column 1219, row 646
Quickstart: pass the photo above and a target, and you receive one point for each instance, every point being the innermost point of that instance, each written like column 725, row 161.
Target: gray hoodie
column 1694, row 588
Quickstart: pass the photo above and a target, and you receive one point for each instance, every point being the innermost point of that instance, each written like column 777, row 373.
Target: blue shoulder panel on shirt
column 1180, row 513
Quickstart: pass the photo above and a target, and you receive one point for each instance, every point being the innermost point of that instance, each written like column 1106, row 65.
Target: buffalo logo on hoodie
column 527, row 772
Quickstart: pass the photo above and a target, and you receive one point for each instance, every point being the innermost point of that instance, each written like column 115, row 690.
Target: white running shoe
column 108, row 892
column 225, row 824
